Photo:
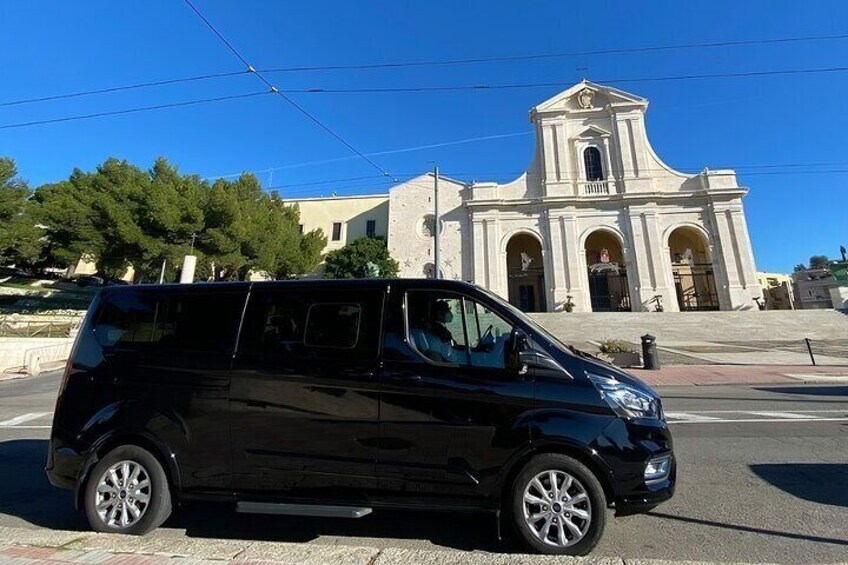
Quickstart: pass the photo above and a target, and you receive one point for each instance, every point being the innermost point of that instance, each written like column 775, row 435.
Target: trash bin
column 649, row 352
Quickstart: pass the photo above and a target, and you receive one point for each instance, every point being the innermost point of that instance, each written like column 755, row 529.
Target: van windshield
column 526, row 319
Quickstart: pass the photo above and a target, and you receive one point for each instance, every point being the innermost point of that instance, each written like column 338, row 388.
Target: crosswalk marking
column 786, row 415
column 760, row 420
column 688, row 416
column 755, row 416
column 23, row 418
column 838, row 411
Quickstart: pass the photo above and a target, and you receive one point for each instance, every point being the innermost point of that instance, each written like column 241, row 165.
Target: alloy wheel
column 123, row 494
column 557, row 509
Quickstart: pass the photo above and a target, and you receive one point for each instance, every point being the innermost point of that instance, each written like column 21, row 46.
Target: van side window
column 309, row 324
column 195, row 321
column 283, row 324
column 333, row 325
column 435, row 326
column 446, row 328
column 488, row 335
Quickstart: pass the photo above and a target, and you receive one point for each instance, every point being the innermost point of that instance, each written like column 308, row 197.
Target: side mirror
column 521, row 358
column 518, row 343
column 542, row 364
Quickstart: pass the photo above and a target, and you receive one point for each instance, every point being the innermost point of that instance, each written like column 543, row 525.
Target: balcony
column 594, row 187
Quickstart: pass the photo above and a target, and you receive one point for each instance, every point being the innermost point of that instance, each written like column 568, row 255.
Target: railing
column 11, row 326
column 594, row 187
column 46, row 357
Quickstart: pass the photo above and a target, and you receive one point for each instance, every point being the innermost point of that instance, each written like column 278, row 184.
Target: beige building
column 812, row 288
column 344, row 218
column 778, row 291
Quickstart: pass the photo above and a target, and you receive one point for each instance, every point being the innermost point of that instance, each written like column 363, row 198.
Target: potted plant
column 620, row 353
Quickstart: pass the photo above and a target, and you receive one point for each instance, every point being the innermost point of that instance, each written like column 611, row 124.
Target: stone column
column 478, row 251
column 489, row 271
column 733, row 256
column 649, row 262
column 573, row 263
column 610, row 176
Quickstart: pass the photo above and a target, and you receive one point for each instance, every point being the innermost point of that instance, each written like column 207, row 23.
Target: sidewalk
column 742, row 375
column 29, row 547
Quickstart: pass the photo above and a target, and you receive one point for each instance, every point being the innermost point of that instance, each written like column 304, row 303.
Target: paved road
column 763, row 478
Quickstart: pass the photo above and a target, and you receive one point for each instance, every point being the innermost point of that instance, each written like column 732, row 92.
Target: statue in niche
column 525, row 262
column 585, row 98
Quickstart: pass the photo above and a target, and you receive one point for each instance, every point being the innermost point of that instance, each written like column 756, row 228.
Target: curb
column 24, row 545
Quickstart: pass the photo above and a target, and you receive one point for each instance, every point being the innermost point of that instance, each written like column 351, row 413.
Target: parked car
column 89, row 280
column 335, row 398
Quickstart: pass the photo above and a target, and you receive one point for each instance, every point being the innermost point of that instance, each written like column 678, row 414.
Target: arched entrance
column 608, row 288
column 692, row 268
column 526, row 273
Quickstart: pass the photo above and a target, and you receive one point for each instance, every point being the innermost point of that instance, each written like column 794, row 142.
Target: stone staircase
column 690, row 327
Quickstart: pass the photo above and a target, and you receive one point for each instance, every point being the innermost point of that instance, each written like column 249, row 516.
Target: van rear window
column 192, row 321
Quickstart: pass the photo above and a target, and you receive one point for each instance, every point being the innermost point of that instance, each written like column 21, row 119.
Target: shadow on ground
column 823, row 483
column 26, row 494
column 457, row 531
column 25, row 491
column 807, row 390
column 748, row 529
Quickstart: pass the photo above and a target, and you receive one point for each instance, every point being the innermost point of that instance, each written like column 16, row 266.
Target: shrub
column 615, row 346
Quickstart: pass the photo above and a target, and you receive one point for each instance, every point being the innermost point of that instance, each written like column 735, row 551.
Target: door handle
column 405, row 377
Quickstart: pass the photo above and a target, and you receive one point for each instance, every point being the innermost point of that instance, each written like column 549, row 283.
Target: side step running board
column 322, row 511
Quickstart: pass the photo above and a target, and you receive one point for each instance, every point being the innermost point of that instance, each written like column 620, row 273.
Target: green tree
column 250, row 230
column 20, row 238
column 121, row 216
column 366, row 257
column 817, row 261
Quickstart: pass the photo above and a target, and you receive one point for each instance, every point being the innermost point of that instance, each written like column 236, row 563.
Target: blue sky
column 56, row 47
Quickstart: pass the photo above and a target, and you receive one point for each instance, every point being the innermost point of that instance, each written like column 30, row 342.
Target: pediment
column 593, row 132
column 587, row 96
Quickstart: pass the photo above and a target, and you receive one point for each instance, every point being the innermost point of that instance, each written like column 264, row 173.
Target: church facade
column 597, row 222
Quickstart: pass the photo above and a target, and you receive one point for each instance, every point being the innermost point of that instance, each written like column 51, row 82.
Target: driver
column 434, row 339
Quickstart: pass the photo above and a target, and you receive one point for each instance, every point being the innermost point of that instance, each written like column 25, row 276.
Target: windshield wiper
column 581, row 353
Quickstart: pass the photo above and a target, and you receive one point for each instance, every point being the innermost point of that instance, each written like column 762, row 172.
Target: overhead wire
column 121, row 88
column 446, row 88
column 131, row 110
column 288, row 99
column 605, row 51
column 377, row 153
column 307, row 190
column 511, row 86
column 426, row 63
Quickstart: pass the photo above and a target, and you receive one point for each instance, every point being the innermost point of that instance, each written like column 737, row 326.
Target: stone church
column 597, row 222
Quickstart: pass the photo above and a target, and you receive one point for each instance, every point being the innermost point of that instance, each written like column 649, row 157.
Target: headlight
column 625, row 400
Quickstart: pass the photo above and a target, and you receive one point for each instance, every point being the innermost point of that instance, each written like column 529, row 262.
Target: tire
column 138, row 505
column 578, row 514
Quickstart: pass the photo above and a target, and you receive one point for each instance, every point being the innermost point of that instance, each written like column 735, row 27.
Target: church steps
column 691, row 327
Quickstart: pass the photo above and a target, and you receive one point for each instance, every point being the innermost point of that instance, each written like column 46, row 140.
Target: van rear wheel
column 127, row 492
column 558, row 506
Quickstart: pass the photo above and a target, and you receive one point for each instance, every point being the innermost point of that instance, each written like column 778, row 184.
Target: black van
column 333, row 398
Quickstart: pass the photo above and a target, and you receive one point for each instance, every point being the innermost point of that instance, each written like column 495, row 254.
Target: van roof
column 347, row 283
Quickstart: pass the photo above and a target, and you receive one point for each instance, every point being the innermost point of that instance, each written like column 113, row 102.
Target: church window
column 592, row 161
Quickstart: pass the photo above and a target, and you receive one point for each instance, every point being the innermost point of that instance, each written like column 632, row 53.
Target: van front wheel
column 558, row 506
column 127, row 492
